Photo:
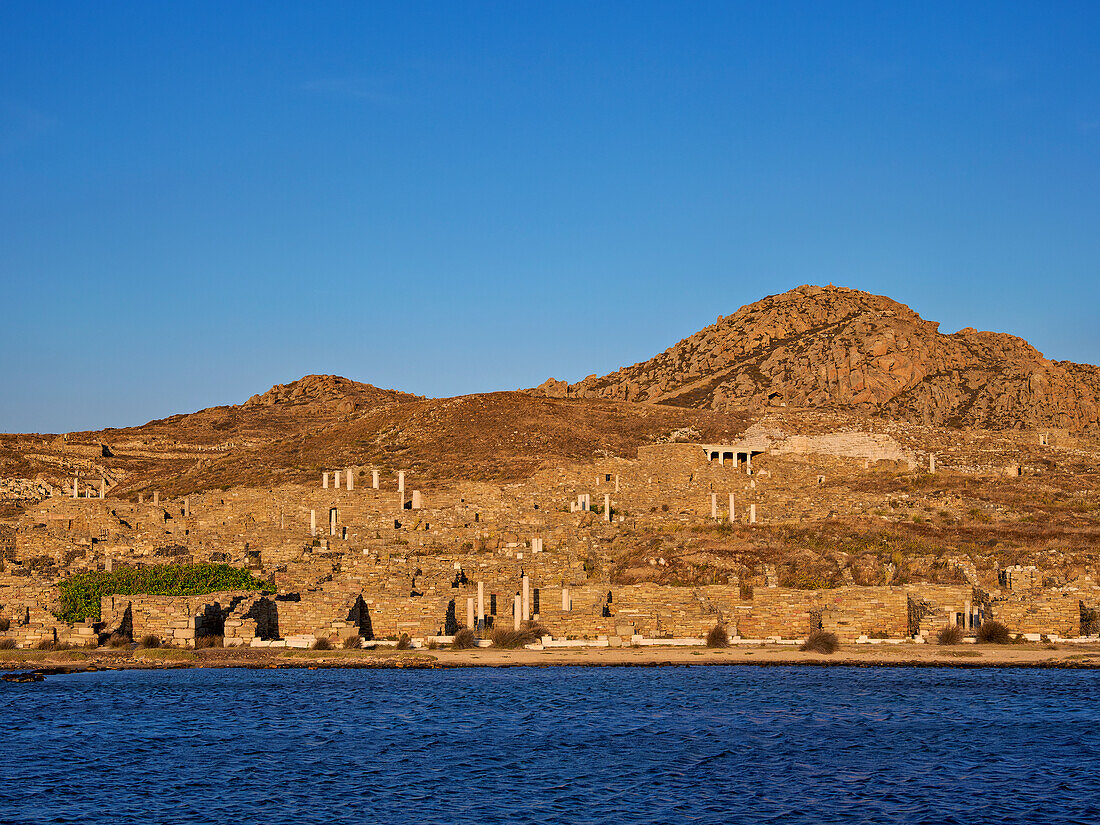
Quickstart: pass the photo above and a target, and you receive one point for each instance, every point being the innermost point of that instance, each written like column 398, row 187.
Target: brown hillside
column 829, row 346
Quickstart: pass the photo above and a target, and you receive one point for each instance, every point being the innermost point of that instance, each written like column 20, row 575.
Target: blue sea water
column 563, row 744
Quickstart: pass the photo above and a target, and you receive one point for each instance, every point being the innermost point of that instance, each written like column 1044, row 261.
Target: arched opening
column 265, row 613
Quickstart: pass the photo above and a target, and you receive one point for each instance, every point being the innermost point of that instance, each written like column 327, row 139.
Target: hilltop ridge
column 831, row 346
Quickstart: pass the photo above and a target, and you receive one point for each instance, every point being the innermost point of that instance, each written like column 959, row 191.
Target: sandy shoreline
column 965, row 656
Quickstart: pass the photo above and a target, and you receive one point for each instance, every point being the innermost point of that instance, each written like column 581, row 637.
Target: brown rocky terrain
column 834, row 347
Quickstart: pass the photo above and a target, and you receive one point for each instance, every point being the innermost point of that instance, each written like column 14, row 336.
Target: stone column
column 401, row 482
column 401, row 501
column 733, row 511
column 516, row 612
column 748, row 463
column 526, row 597
column 481, row 604
column 565, row 605
column 470, row 612
column 156, row 498
column 336, row 479
column 606, row 507
column 103, row 488
column 752, row 514
column 351, row 479
column 932, row 462
column 324, row 481
column 332, row 521
column 968, row 619
column 714, row 506
column 187, row 507
column 76, row 487
column 313, row 522
column 616, row 484
column 374, row 479
column 141, row 498
column 416, row 500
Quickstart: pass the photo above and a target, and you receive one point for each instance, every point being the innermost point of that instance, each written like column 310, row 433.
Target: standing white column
column 351, row 479
column 714, row 506
column 332, row 521
column 932, row 463
column 374, row 479
column 526, row 597
column 187, row 507
column 76, row 487
column 313, row 522
column 470, row 612
column 336, row 479
column 103, row 488
column 606, row 507
column 516, row 612
column 733, row 512
column 401, row 481
column 752, row 514
column 968, row 619
column 616, row 484
column 480, row 604
column 565, row 599
column 324, row 481
column 748, row 464
column 156, row 498
column 416, row 504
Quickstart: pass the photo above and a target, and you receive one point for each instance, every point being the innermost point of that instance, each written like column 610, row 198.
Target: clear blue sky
column 199, row 200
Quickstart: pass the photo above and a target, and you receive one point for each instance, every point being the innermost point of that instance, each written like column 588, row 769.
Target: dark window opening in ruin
column 609, row 597
column 265, row 613
column 535, row 601
column 396, row 524
column 492, row 604
column 606, row 611
column 727, row 456
column 460, row 578
column 775, row 399
column 450, row 624
column 289, row 597
column 359, row 615
column 714, row 456
column 607, row 476
column 212, row 620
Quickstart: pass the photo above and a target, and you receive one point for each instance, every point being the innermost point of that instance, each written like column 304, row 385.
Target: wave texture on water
column 568, row 745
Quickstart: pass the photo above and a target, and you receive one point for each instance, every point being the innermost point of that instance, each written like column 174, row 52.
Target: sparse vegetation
column 322, row 644
column 509, row 639
column 464, row 639
column 404, row 643
column 5, row 625
column 7, row 644
column 950, row 635
column 353, row 642
column 717, row 636
column 202, row 642
column 994, row 633
column 149, row 641
column 820, row 641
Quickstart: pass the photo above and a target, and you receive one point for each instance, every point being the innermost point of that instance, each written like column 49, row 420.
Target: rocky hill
column 835, row 347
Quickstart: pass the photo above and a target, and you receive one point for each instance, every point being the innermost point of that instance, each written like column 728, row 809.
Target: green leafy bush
column 80, row 594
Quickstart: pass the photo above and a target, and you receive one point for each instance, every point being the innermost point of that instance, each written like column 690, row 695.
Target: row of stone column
column 349, row 475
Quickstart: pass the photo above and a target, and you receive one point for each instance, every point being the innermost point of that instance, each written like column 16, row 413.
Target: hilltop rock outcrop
column 830, row 346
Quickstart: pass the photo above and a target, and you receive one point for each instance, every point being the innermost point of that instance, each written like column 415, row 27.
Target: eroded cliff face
column 831, row 346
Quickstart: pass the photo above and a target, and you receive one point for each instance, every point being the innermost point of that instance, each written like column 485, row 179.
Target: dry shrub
column 994, row 633
column 353, row 642
column 322, row 644
column 821, row 642
column 149, row 641
column 202, row 642
column 404, row 643
column 118, row 640
column 950, row 635
column 7, row 644
column 718, row 637
column 464, row 639
column 46, row 644
column 5, row 625
column 433, row 644
column 528, row 634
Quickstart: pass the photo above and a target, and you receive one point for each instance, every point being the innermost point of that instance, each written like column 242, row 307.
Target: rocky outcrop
column 830, row 346
column 342, row 393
